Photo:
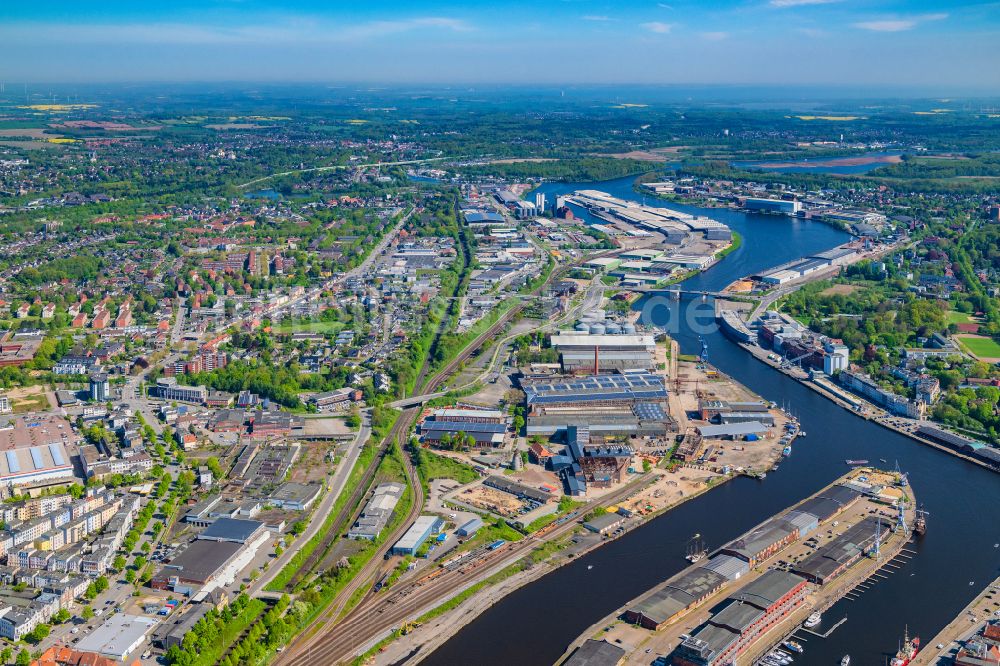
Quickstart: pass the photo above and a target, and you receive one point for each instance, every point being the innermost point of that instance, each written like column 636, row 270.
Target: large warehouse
column 198, row 565
column 750, row 612
column 581, row 353
column 118, row 637
column 626, row 404
column 35, row 449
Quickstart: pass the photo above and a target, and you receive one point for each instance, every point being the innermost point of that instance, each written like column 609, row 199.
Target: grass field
column 956, row 317
column 321, row 327
column 840, row 289
column 980, row 347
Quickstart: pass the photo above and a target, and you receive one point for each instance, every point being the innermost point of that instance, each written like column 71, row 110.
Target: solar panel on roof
column 12, row 463
column 36, row 457
column 464, row 427
column 57, row 456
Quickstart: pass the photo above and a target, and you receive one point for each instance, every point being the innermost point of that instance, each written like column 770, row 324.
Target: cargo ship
column 856, row 463
column 908, row 651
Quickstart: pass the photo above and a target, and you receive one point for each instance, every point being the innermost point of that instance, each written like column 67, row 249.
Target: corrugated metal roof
column 727, row 565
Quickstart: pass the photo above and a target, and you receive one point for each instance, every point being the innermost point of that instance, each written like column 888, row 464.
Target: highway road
column 338, row 167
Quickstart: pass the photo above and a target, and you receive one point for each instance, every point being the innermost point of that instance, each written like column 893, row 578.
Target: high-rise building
column 100, row 389
column 540, row 202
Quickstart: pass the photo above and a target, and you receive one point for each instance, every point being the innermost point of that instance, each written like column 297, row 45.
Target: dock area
column 797, row 565
column 967, row 624
column 852, row 403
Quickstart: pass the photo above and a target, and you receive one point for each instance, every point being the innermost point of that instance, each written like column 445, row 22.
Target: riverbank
column 661, row 491
column 643, row 645
column 422, row 641
column 560, row 606
column 942, row 648
column 868, row 411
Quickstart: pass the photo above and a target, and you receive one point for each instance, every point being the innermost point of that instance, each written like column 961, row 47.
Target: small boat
column 589, row 567
column 883, row 460
column 845, row 660
column 793, row 646
column 812, row 620
column 856, row 463
column 787, row 451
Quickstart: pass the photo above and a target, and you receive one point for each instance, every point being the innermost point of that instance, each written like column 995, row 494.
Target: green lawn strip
column 321, row 327
column 737, row 242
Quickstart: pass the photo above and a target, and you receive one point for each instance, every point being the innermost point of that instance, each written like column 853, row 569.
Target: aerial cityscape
column 557, row 333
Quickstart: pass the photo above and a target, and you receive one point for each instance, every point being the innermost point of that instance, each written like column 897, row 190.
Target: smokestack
column 597, row 364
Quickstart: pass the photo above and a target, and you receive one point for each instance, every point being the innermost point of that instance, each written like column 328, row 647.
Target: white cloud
column 291, row 31
column 663, row 5
column 800, row 3
column 658, row 27
column 811, row 32
column 715, row 36
column 899, row 24
column 597, row 17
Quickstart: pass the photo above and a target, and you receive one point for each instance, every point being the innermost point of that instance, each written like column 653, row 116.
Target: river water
column 954, row 560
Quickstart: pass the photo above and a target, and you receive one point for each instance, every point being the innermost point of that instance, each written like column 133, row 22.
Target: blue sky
column 817, row 42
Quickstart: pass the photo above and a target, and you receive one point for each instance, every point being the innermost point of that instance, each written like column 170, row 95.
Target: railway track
column 399, row 431
column 367, row 622
column 310, row 641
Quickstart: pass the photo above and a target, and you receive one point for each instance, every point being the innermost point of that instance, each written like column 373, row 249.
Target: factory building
column 772, row 206
column 35, row 449
column 598, row 465
column 375, row 516
column 421, row 530
column 594, row 390
column 487, row 427
column 748, row 430
column 624, row 404
column 580, row 353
